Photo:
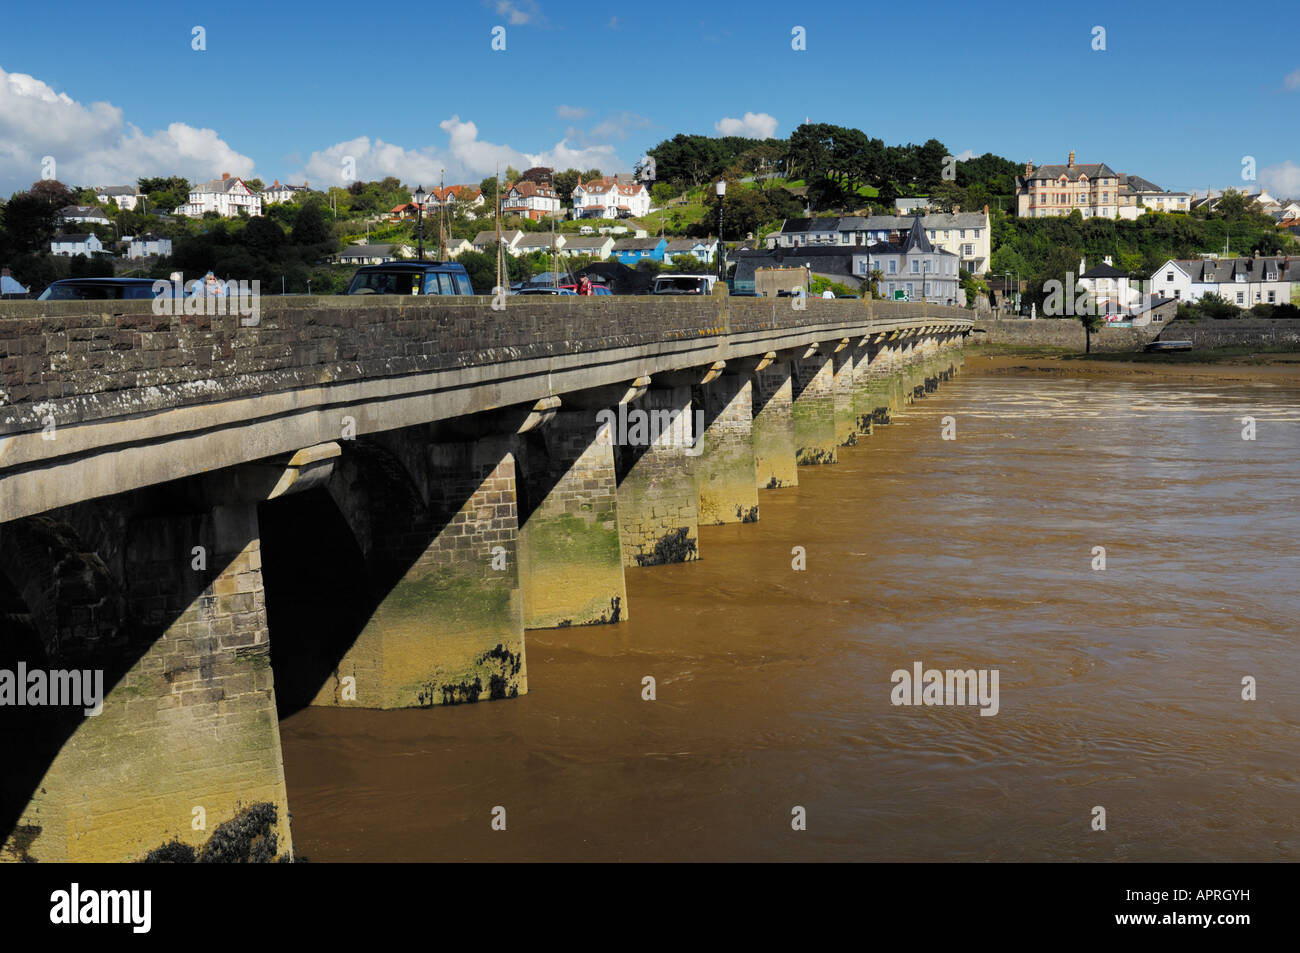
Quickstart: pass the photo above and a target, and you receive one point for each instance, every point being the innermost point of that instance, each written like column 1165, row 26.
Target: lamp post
column 419, row 195
column 722, row 260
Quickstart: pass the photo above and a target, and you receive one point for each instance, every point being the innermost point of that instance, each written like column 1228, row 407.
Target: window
column 963, row 233
column 893, row 267
column 916, row 267
column 909, row 289
column 1272, row 297
column 927, row 288
column 1241, row 297
column 927, row 265
column 1169, row 276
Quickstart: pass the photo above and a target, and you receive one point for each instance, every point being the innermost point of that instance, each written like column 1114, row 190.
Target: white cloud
column 93, row 145
column 965, row 155
column 572, row 112
column 616, row 127
column 465, row 158
column 613, row 23
column 518, row 14
column 1281, row 181
column 753, row 125
column 1292, row 80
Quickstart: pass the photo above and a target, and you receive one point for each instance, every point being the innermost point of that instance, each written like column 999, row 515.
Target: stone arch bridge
column 382, row 497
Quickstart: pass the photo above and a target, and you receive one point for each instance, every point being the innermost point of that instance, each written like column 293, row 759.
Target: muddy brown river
column 1118, row 688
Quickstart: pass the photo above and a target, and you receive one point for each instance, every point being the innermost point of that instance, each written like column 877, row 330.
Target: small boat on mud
column 1169, row 346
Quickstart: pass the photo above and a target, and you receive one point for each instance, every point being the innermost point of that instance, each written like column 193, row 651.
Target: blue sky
column 1182, row 92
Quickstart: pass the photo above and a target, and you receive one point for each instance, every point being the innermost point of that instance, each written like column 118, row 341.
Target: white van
column 685, row 284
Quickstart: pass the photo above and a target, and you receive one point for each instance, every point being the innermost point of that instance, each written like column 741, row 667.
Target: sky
column 1189, row 95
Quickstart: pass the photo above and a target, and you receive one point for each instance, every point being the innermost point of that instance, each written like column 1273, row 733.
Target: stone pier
column 726, row 476
column 774, row 447
column 814, row 407
column 658, row 506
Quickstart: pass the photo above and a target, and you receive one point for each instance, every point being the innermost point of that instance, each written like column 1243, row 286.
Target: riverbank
column 1220, row 364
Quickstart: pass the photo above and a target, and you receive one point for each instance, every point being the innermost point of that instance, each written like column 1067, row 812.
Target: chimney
column 224, row 176
column 6, row 273
column 986, row 210
column 1070, row 164
column 275, row 183
column 1108, row 261
column 1029, row 167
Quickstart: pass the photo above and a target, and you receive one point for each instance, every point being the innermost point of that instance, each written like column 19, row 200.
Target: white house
column 123, row 196
column 88, row 244
column 539, row 241
column 1244, row 282
column 967, row 235
column 508, row 238
column 590, row 246
column 456, row 246
column 530, row 200
column 609, row 198
column 226, row 196
column 83, row 215
column 1108, row 287
column 466, row 198
column 146, row 246
column 703, row 249
column 277, row 193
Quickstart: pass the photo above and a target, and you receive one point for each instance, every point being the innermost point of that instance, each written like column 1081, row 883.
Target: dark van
column 411, row 278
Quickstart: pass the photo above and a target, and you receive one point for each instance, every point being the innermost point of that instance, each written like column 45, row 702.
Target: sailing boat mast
column 500, row 259
column 442, row 203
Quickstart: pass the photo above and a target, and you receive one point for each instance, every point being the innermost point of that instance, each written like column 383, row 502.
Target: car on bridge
column 411, row 278
column 101, row 289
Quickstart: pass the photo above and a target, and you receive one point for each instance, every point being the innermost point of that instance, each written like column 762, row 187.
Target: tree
column 489, row 189
column 1090, row 322
column 512, row 174
column 309, row 228
column 565, row 182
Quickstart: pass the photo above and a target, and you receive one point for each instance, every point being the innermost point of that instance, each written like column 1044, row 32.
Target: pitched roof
column 585, row 241
column 1104, row 271
column 1225, row 270
column 632, row 244
column 488, row 237
column 916, row 239
column 1093, row 170
column 76, row 237
column 896, row 223
column 1139, row 184
column 219, row 185
column 117, row 190
column 540, row 240
column 689, row 244
column 796, row 225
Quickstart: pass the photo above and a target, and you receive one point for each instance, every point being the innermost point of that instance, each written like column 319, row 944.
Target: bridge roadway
column 396, row 488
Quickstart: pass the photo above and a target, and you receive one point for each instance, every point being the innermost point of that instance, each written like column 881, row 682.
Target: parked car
column 99, row 289
column 684, row 284
column 411, row 278
column 745, row 293
column 546, row 291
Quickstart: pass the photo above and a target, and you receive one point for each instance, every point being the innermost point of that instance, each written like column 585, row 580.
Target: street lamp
column 419, row 196
column 722, row 261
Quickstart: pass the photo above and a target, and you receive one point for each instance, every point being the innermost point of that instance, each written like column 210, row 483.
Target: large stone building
column 1053, row 190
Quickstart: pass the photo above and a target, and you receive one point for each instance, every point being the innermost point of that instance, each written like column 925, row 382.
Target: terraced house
column 1244, row 282
column 966, row 235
